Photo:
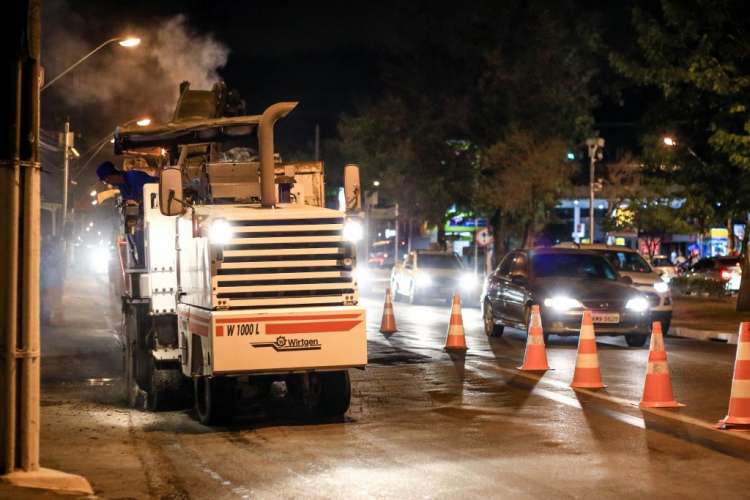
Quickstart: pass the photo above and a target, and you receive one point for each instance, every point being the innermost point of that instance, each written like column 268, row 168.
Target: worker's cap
column 105, row 170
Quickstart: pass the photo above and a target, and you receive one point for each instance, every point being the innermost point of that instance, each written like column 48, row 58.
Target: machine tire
column 167, row 388
column 636, row 340
column 491, row 329
column 335, row 394
column 214, row 399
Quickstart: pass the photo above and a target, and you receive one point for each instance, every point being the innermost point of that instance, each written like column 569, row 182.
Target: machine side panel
column 270, row 340
column 159, row 246
column 195, row 266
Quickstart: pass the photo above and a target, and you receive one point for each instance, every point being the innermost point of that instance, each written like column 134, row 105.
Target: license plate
column 602, row 317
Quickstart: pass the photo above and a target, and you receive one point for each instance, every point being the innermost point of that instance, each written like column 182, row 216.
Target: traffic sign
column 483, row 237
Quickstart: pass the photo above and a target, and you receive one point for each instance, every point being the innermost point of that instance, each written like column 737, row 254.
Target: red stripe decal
column 328, row 326
column 286, row 318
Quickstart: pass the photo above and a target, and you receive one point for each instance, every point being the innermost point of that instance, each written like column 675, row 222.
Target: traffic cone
column 388, row 323
column 657, row 389
column 587, row 374
column 535, row 358
column 739, row 399
column 456, row 340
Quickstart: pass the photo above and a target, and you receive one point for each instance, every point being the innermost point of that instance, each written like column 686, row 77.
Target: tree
column 696, row 53
column 457, row 83
column 524, row 176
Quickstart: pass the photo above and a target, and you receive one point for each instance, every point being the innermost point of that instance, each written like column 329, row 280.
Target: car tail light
column 726, row 273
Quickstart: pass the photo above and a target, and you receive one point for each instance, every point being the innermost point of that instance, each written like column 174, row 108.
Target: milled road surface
column 423, row 424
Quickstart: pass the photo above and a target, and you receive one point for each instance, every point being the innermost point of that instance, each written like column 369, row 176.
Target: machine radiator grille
column 283, row 263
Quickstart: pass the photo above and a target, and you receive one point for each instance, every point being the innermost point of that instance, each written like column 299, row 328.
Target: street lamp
column 127, row 42
column 672, row 143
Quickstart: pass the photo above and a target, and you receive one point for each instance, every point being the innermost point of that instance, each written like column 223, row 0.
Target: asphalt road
column 423, row 424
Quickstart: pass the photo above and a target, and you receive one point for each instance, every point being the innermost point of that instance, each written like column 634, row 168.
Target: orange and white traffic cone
column 587, row 374
column 388, row 323
column 456, row 340
column 739, row 399
column 535, row 357
column 657, row 389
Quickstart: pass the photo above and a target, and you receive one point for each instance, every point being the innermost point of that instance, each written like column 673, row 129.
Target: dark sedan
column 564, row 283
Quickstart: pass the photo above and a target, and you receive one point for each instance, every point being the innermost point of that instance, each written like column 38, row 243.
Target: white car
column 664, row 267
column 629, row 262
column 426, row 274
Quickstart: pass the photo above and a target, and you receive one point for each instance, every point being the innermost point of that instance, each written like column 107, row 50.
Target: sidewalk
column 705, row 318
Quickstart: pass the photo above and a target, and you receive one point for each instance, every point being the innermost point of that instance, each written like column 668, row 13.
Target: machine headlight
column 220, row 232
column 661, row 287
column 423, row 279
column 468, row 281
column 353, row 231
column 562, row 303
column 362, row 274
column 637, row 304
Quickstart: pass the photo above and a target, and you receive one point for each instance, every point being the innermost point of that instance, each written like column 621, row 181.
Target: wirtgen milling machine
column 246, row 286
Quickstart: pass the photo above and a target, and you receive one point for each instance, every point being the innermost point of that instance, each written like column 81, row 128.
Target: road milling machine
column 244, row 292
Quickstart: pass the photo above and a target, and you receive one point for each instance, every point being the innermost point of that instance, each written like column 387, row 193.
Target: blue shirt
column 132, row 189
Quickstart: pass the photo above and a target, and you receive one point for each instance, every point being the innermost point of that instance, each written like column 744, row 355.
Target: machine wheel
column 335, row 393
column 214, row 399
column 167, row 388
column 636, row 340
column 491, row 329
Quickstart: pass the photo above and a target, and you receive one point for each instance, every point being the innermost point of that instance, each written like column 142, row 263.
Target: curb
column 690, row 333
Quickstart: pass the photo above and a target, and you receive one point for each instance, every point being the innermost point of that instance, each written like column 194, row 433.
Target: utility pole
column 20, row 205
column 67, row 144
column 595, row 146
column 395, row 238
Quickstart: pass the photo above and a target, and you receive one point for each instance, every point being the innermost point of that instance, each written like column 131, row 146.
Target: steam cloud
column 125, row 83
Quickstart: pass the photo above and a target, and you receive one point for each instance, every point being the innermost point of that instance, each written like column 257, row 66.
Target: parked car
column 564, row 282
column 726, row 269
column 662, row 265
column 381, row 254
column 428, row 274
column 628, row 262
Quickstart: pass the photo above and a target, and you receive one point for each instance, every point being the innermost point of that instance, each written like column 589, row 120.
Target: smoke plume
column 125, row 83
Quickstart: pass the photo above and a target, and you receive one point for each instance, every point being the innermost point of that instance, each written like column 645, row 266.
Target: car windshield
column 572, row 265
column 439, row 261
column 629, row 262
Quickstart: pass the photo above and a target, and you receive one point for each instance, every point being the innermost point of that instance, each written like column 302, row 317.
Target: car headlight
column 423, row 279
column 468, row 281
column 637, row 304
column 353, row 231
column 661, row 287
column 562, row 303
column 220, row 232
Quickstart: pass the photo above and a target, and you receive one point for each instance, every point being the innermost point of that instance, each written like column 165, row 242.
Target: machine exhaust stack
column 266, row 150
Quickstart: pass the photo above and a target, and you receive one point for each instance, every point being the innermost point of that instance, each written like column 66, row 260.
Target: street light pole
column 66, row 172
column 125, row 42
column 595, row 146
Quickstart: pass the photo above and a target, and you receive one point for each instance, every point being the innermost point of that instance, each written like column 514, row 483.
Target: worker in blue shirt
column 129, row 183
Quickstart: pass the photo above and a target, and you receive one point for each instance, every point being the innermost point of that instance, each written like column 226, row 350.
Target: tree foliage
column 524, row 176
column 462, row 86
